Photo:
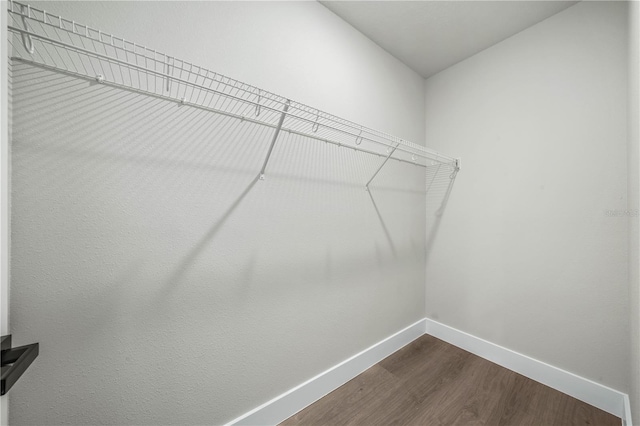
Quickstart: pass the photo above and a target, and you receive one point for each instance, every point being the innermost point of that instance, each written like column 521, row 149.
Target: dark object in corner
column 15, row 361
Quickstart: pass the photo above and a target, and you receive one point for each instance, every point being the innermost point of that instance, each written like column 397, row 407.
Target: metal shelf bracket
column 276, row 133
column 366, row 187
column 15, row 362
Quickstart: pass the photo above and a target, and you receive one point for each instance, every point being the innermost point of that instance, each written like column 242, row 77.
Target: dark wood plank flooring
column 430, row 382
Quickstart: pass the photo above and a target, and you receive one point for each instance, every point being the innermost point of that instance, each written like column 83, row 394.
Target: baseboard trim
column 626, row 419
column 289, row 403
column 600, row 396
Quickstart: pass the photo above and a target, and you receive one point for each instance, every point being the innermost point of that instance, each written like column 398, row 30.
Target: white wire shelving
column 55, row 43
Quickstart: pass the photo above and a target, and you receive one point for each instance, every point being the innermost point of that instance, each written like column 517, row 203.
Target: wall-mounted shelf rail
column 15, row 362
column 52, row 42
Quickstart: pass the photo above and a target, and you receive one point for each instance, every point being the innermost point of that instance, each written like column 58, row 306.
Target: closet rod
column 142, row 63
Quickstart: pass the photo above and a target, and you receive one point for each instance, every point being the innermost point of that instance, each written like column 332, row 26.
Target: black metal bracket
column 15, row 361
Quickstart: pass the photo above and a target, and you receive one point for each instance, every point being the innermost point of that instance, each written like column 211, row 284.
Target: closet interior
column 188, row 248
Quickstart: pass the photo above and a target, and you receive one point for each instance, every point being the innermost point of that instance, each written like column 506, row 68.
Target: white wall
column 526, row 255
column 634, row 204
column 298, row 50
column 165, row 285
column 4, row 196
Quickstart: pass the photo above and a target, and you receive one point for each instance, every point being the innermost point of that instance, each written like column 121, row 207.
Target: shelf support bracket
column 15, row 361
column 275, row 138
column 366, row 187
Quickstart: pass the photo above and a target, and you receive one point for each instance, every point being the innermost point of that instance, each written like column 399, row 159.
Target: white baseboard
column 600, row 396
column 294, row 400
column 626, row 418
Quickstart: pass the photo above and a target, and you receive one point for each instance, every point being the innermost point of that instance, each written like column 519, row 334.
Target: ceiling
column 430, row 36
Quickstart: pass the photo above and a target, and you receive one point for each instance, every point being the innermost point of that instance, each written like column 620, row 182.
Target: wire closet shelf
column 52, row 42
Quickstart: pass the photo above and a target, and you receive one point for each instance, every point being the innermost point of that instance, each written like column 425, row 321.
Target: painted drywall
column 301, row 51
column 431, row 36
column 5, row 98
column 634, row 204
column 164, row 283
column 531, row 253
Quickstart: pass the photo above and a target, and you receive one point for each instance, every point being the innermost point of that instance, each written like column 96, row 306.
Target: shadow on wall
column 139, row 229
column 440, row 181
column 383, row 225
column 191, row 256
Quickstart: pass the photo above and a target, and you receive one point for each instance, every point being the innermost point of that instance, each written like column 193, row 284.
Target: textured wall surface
column 164, row 283
column 634, row 203
column 528, row 254
column 299, row 50
column 5, row 113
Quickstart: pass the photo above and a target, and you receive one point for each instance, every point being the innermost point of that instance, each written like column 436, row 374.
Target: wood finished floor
column 430, row 382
